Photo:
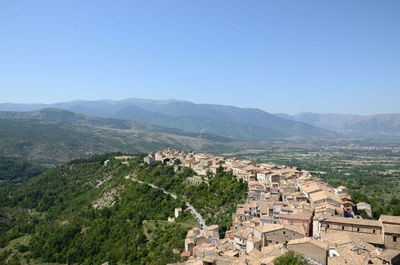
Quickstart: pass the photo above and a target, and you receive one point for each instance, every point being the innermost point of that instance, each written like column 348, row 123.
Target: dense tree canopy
column 54, row 217
column 290, row 258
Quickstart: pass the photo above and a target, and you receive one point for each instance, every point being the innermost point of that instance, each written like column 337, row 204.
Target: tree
column 290, row 258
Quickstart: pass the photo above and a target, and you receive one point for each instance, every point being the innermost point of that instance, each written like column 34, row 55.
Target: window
column 342, row 227
column 394, row 238
column 358, row 229
column 373, row 231
column 327, row 226
column 284, row 232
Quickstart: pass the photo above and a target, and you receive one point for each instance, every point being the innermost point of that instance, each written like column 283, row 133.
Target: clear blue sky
column 280, row 56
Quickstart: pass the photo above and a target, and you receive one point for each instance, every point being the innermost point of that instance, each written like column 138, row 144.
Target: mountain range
column 220, row 123
column 244, row 124
column 363, row 126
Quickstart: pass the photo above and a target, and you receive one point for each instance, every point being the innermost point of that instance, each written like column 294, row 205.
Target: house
column 390, row 256
column 341, row 189
column 158, row 156
column 302, row 218
column 274, row 180
column 309, row 188
column 310, row 248
column 189, row 244
column 278, row 234
column 241, row 239
column 178, row 212
column 188, row 162
column 261, row 175
column 323, row 196
column 391, row 231
column 150, row 159
column 240, row 215
column 368, row 230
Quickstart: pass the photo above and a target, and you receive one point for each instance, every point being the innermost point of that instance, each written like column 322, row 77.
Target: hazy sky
column 280, row 56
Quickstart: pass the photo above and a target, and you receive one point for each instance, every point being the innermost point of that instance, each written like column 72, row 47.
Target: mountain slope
column 240, row 123
column 199, row 124
column 83, row 212
column 18, row 170
column 67, row 117
column 373, row 126
column 56, row 210
column 54, row 143
column 256, row 120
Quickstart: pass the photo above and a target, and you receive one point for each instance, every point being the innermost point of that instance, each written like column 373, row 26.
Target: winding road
column 192, row 210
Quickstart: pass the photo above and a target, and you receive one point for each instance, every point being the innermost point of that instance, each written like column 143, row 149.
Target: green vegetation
column 55, row 209
column 13, row 173
column 18, row 170
column 51, row 218
column 215, row 202
column 290, row 258
column 114, row 234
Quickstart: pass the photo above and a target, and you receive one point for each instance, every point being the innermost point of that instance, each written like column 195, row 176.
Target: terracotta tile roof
column 310, row 187
column 391, row 229
column 338, row 260
column 390, row 219
column 353, row 221
column 244, row 233
column 308, row 240
column 370, row 238
column 185, row 254
column 328, row 205
column 266, row 228
column 302, row 215
column 389, row 254
column 205, row 245
column 337, row 238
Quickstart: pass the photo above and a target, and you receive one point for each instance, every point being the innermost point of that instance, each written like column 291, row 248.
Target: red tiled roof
column 185, row 254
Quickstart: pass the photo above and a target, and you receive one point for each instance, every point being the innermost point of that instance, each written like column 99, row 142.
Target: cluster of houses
column 286, row 209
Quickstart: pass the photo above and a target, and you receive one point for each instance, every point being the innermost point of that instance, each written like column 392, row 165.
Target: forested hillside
column 18, row 170
column 215, row 202
column 62, row 116
column 56, row 143
column 83, row 212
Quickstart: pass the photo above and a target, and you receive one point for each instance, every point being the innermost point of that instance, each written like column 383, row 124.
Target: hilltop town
column 286, row 209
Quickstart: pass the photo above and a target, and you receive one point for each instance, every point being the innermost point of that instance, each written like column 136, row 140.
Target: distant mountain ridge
column 53, row 143
column 243, row 124
column 67, row 117
column 368, row 126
